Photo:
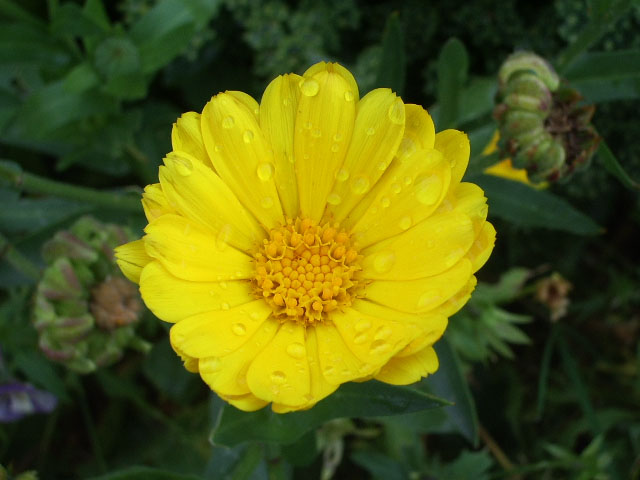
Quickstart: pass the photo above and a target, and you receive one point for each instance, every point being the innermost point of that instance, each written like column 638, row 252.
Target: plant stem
column 28, row 182
column 17, row 260
column 91, row 428
column 497, row 452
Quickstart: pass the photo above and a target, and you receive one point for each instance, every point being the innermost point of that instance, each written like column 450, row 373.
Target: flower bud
column 85, row 310
column 543, row 129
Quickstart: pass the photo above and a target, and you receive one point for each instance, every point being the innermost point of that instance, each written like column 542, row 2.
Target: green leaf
column 144, row 473
column 94, row 10
column 525, row 206
column 40, row 372
column 449, row 382
column 612, row 165
column 545, row 366
column 453, row 64
column 391, row 72
column 477, row 99
column 81, row 78
column 33, row 214
column 380, row 466
column 369, row 399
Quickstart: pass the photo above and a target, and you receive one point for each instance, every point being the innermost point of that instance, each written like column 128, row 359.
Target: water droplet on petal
column 278, row 377
column 308, row 125
column 223, row 237
column 360, row 339
column 383, row 333
column 309, row 87
column 264, row 171
column 224, row 285
column 405, row 223
column 360, row 185
column 429, row 299
column 334, row 199
column 408, row 180
column 406, row 148
column 348, row 96
column 225, row 306
column 370, row 131
column 316, row 133
column 378, row 347
column 254, row 316
column 335, row 147
column 396, row 112
column 396, row 188
column 385, row 202
column 296, row 350
column 337, row 137
column 247, row 136
column 266, row 202
column 218, row 148
column 286, row 102
column 342, row 175
column 228, row 122
column 428, row 189
column 384, row 261
column 239, row 329
column 362, row 325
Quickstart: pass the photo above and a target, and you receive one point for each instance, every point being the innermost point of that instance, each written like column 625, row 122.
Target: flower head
column 310, row 240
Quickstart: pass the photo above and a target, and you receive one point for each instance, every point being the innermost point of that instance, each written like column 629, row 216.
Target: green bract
column 85, row 311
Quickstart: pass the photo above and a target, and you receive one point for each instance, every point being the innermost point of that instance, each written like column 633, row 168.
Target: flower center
column 305, row 270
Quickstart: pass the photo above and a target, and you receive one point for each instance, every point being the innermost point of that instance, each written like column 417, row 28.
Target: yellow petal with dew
column 470, row 200
column 324, row 123
column 372, row 339
column 132, row 257
column 155, row 202
column 190, row 363
column 189, row 251
column 280, row 373
column 412, row 191
column 197, row 193
column 227, row 375
column 433, row 326
column 338, row 69
column 423, row 294
column 337, row 363
column 172, row 299
column 455, row 303
column 429, row 248
column 378, row 129
column 419, row 129
column 218, row 333
column 455, row 147
column 482, row 246
column 248, row 101
column 241, row 156
column 186, row 137
column 410, row 369
column 278, row 110
column 246, row 403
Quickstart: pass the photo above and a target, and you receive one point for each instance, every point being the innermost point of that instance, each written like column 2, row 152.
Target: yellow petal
column 320, row 388
column 241, row 156
column 455, row 303
column 433, row 325
column 155, row 202
column 482, row 246
column 419, row 129
column 132, row 258
column 186, row 137
column 280, row 373
column 189, row 251
column 338, row 69
column 326, row 112
column 421, row 295
column 470, row 200
column 429, row 248
column 197, row 193
column 248, row 101
column 378, row 129
column 218, row 333
column 246, row 403
column 278, row 110
column 373, row 340
column 227, row 375
column 410, row 193
column 190, row 363
column 455, row 147
column 406, row 370
column 337, row 362
column 172, row 299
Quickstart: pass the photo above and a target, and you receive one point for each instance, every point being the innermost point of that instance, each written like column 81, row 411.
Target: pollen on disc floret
column 305, row 271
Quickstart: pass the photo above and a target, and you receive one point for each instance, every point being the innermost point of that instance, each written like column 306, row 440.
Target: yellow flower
column 311, row 240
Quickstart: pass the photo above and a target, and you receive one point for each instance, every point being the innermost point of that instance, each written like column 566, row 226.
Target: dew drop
column 316, row 133
column 383, row 261
column 296, row 350
column 225, row 306
column 360, row 185
column 337, row 137
column 396, row 112
column 360, row 339
column 385, row 202
column 396, row 188
column 428, row 189
column 187, row 229
column 382, row 166
column 342, row 175
column 218, row 148
column 264, row 171
column 183, row 166
column 266, row 202
column 335, row 147
column 228, row 122
column 406, row 148
column 286, row 102
column 213, row 293
column 429, row 299
column 362, row 325
column 247, row 136
column 370, row 131
column 405, row 223
column 348, row 96
column 407, row 180
column 239, row 329
column 254, row 316
column 383, row 333
column 309, row 87
column 278, row 377
column 379, row 346
column 334, row 199
column 308, row 125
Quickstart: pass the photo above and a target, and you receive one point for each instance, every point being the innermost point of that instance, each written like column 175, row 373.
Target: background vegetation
column 88, row 93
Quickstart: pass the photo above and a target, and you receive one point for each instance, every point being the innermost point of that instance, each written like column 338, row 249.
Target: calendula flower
column 310, row 240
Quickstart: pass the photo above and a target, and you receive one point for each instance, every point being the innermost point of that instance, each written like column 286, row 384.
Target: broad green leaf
column 24, row 44
column 453, row 64
column 32, row 214
column 145, row 473
column 167, row 375
column 81, row 78
column 380, row 466
column 41, row 373
column 477, row 99
column 94, row 10
column 612, row 165
column 449, row 382
column 391, row 72
column 70, row 21
column 468, row 465
column 369, row 399
column 525, row 206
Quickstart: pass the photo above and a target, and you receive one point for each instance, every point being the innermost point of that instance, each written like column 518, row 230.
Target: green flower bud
column 85, row 310
column 542, row 126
